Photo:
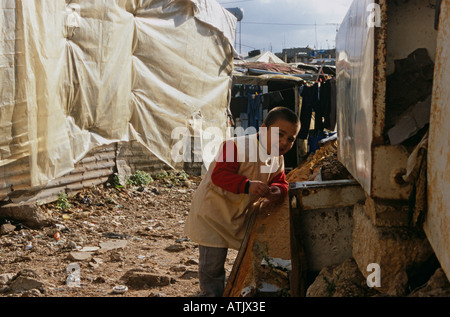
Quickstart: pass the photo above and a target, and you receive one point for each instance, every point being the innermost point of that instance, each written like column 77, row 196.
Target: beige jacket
column 218, row 218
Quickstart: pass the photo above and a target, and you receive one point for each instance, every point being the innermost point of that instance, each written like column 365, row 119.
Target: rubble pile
column 322, row 165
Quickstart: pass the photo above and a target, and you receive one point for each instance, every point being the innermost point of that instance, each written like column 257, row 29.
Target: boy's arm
column 280, row 181
column 225, row 173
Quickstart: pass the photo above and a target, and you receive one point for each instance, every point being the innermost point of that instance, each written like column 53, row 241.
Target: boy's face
column 287, row 134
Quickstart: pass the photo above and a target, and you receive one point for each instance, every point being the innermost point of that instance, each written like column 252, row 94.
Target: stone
column 5, row 278
column 24, row 283
column 112, row 245
column 28, row 273
column 189, row 274
column 138, row 279
column 399, row 284
column 93, row 265
column 95, row 262
column 32, row 293
column 89, row 249
column 178, row 268
column 29, row 214
column 394, row 249
column 437, row 286
column 79, row 256
column 438, row 280
column 7, row 228
column 386, row 215
column 99, row 280
column 340, row 280
column 175, row 248
column 191, row 262
column 115, row 256
column 157, row 295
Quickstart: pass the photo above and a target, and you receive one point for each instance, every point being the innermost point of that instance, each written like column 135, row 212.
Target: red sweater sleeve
column 281, row 182
column 225, row 173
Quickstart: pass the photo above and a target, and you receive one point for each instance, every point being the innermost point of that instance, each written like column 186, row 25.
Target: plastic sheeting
column 78, row 74
column 354, row 67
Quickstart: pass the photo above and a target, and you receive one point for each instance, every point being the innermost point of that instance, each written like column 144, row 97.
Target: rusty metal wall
column 94, row 169
column 321, row 226
column 366, row 52
column 325, row 217
column 437, row 223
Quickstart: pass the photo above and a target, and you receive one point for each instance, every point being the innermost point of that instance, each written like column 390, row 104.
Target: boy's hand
column 272, row 198
column 258, row 188
column 274, row 194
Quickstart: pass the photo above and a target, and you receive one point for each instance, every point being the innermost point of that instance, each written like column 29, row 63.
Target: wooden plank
column 298, row 256
column 231, row 289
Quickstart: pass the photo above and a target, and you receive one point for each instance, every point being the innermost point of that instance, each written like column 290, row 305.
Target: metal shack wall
column 355, row 47
column 372, row 36
column 365, row 57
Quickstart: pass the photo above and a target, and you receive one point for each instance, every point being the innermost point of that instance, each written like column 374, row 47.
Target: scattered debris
column 119, row 289
column 321, row 165
column 107, row 231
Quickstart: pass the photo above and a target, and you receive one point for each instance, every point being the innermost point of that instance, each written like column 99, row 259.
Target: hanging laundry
column 254, row 110
column 276, row 97
column 324, row 109
column 310, row 100
column 271, row 100
column 330, row 118
column 314, row 138
column 238, row 105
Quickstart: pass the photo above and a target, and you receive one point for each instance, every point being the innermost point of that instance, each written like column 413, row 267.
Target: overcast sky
column 271, row 25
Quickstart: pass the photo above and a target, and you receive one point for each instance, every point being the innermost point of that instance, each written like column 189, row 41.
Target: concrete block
column 394, row 249
column 382, row 214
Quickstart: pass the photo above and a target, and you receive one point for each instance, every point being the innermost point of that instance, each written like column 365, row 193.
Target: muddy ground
column 107, row 237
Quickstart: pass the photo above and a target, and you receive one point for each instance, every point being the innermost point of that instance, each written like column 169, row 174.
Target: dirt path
column 109, row 236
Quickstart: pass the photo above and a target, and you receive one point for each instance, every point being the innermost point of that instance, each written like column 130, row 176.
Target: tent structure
column 75, row 76
column 265, row 57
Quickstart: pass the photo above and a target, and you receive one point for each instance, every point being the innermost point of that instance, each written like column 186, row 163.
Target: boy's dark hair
column 281, row 113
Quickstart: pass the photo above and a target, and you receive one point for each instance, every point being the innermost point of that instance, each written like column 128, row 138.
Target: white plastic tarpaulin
column 78, row 74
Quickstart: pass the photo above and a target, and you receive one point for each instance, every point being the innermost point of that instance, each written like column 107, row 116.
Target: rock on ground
column 342, row 280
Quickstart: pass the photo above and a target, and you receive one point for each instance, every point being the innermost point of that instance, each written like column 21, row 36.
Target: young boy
column 246, row 168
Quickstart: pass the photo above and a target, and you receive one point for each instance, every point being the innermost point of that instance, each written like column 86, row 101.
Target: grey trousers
column 211, row 270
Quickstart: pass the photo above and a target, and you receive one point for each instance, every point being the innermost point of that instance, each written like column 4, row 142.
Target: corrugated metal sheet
column 94, row 169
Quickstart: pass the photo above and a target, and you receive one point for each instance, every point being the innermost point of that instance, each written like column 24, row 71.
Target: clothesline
column 273, row 92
